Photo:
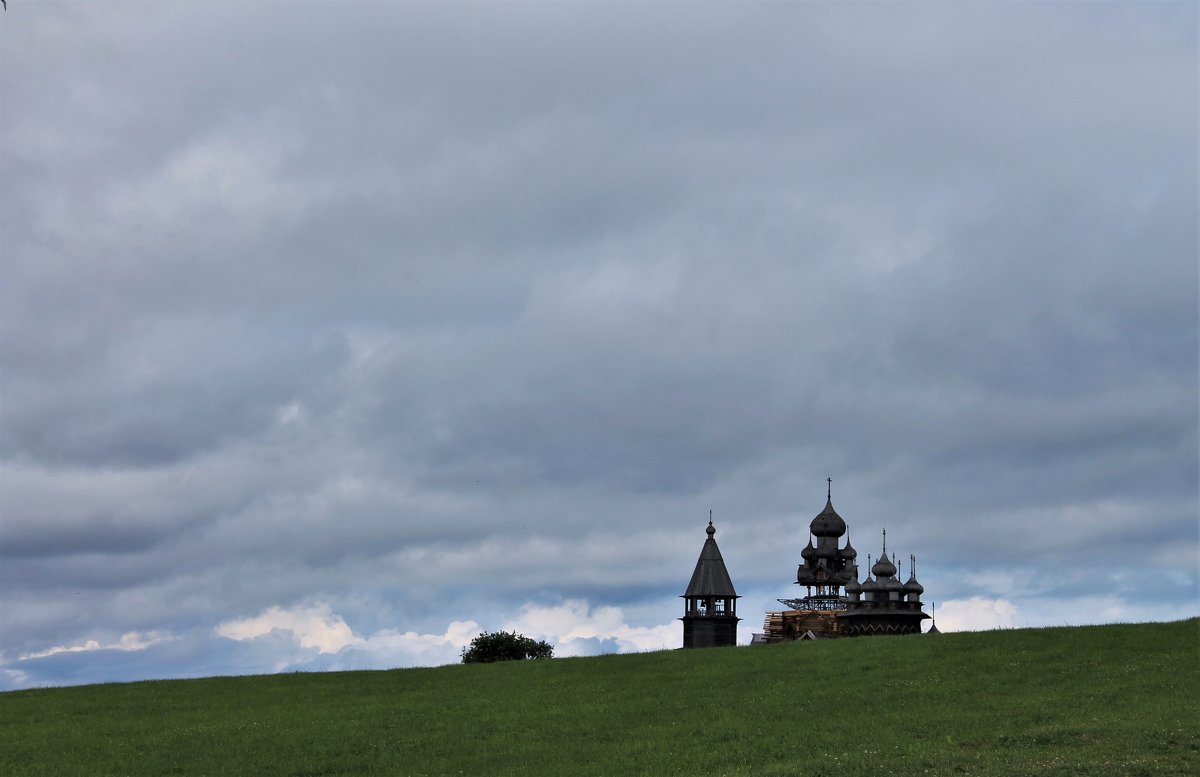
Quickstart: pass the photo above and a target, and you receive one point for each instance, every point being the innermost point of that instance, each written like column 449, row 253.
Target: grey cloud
column 423, row 312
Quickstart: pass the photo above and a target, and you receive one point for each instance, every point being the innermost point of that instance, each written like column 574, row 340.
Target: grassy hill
column 1100, row 700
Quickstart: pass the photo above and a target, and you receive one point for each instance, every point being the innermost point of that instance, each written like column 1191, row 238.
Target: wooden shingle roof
column 710, row 578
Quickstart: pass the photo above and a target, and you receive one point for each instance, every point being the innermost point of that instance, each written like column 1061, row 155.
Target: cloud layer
column 325, row 335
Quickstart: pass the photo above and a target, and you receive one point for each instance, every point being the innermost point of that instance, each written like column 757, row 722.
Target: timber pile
column 797, row 624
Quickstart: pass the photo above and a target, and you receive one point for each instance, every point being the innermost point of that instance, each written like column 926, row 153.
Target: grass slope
column 1116, row 700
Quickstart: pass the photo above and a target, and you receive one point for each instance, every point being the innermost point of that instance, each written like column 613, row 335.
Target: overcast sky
column 334, row 333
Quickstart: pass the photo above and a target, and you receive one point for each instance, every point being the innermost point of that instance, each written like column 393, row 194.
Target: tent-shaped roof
column 710, row 578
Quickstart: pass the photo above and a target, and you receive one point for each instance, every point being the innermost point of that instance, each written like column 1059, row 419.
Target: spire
column 829, row 489
column 710, row 577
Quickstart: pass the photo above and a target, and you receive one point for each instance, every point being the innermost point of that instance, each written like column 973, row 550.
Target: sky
column 334, row 333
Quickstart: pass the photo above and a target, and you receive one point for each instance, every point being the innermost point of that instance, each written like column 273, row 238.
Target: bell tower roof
column 710, row 578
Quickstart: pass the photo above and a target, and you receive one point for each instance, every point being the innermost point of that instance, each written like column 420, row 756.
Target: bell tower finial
column 829, row 488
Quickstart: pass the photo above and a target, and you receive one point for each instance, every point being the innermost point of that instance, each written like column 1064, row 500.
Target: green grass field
column 1098, row 700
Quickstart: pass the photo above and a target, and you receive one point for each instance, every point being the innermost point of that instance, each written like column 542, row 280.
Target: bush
column 504, row 646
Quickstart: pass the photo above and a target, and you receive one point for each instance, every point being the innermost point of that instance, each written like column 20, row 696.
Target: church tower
column 710, row 603
column 826, row 568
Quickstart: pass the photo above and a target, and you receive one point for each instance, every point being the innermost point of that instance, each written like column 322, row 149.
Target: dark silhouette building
column 884, row 605
column 825, row 568
column 710, row 603
column 836, row 603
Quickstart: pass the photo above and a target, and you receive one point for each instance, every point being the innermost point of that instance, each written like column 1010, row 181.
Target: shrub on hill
column 504, row 646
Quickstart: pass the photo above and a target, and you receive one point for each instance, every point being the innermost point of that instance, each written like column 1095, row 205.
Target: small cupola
column 912, row 588
column 884, row 568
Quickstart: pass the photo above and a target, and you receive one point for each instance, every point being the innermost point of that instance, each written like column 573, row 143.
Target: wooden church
column 835, row 604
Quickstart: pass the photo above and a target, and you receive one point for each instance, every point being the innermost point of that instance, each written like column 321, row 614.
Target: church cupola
column 912, row 588
column 868, row 587
column 826, row 568
column 884, row 567
column 828, row 523
column 710, row 603
column 853, row 590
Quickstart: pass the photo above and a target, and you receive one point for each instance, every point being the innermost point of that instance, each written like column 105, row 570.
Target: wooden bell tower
column 710, row 603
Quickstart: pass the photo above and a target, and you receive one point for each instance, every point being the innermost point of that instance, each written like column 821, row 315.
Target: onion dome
column 828, row 523
column 890, row 584
column 868, row 585
column 848, row 552
column 883, row 567
column 912, row 586
column 809, row 551
column 853, row 587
